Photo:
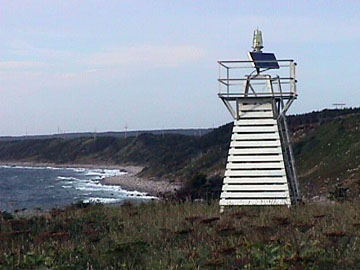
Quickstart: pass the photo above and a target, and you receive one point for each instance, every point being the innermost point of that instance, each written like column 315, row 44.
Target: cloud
column 119, row 59
column 72, row 69
column 146, row 56
column 21, row 65
column 302, row 29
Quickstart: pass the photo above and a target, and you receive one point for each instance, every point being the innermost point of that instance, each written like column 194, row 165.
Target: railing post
column 227, row 76
column 292, row 78
column 219, row 78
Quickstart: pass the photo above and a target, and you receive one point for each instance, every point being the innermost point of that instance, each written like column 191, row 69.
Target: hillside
column 327, row 153
column 163, row 156
column 326, row 146
column 116, row 134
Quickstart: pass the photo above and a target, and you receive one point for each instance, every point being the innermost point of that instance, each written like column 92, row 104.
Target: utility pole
column 339, row 105
column 126, row 129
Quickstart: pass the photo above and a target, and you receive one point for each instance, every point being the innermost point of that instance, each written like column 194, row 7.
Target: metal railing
column 236, row 76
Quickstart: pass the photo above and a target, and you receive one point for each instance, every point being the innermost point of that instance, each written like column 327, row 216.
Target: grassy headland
column 186, row 235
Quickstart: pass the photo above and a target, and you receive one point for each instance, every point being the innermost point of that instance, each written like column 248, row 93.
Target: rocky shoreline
column 131, row 182
column 128, row 181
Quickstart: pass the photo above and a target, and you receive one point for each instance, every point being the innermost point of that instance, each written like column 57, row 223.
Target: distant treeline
column 120, row 134
column 320, row 117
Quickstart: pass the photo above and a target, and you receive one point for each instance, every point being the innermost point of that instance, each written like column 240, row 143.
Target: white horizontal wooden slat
column 255, row 136
column 259, row 188
column 247, row 129
column 244, row 151
column 267, row 165
column 254, row 122
column 255, row 107
column 224, row 202
column 256, row 114
column 255, row 173
column 254, row 143
column 255, row 180
column 260, row 194
column 254, row 158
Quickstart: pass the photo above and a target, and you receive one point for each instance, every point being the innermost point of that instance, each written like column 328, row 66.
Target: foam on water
column 102, row 200
column 92, row 184
column 78, row 183
column 99, row 172
column 67, row 178
column 32, row 167
column 104, row 173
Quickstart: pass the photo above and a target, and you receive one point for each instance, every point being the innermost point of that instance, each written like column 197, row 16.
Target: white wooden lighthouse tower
column 260, row 167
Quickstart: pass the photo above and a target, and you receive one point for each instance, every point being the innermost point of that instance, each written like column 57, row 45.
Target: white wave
column 6, row 166
column 113, row 200
column 67, row 178
column 43, row 168
column 99, row 172
column 104, row 173
column 102, row 200
column 91, row 185
column 27, row 167
column 77, row 169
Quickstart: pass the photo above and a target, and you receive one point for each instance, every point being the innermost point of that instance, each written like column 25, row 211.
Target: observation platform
column 247, row 79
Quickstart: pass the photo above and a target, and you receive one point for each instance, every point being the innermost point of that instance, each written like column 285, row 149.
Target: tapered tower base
column 255, row 172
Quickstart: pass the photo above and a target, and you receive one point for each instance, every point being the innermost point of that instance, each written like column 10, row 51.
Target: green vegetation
column 328, row 156
column 326, row 146
column 164, row 235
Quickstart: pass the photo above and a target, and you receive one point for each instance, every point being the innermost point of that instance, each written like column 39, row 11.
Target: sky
column 97, row 65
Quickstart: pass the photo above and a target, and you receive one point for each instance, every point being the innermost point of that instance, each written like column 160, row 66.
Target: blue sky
column 84, row 65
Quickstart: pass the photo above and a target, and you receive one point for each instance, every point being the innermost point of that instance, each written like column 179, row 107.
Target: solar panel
column 264, row 60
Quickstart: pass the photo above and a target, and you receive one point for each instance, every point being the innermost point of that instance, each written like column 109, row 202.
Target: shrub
column 201, row 187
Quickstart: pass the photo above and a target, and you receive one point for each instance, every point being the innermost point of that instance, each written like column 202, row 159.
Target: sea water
column 29, row 188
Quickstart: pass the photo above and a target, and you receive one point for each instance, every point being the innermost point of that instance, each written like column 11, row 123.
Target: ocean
column 35, row 188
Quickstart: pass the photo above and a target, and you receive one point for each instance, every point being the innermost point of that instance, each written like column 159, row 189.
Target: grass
column 164, row 235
